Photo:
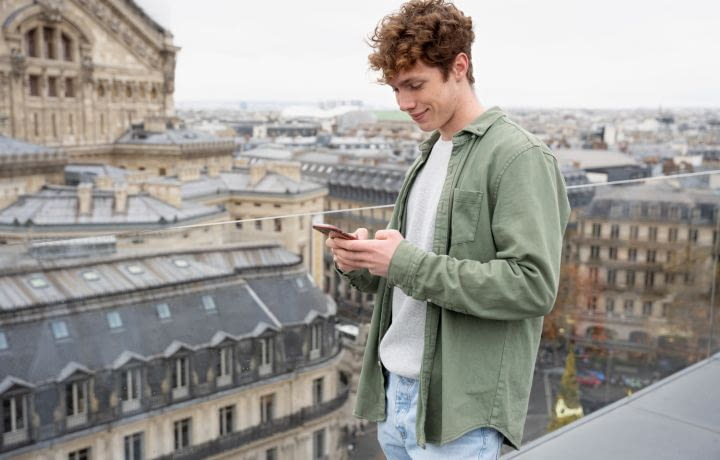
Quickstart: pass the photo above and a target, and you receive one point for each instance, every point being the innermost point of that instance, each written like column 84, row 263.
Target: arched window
column 66, row 45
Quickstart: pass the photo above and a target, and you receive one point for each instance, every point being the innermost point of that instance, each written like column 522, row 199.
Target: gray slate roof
column 178, row 136
column 10, row 147
column 677, row 417
column 58, row 206
column 238, row 181
column 35, row 356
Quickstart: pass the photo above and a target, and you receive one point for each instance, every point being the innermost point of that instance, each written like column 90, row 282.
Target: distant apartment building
column 169, row 354
column 645, row 267
column 78, row 73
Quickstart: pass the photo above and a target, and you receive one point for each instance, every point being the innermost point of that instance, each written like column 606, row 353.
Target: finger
column 361, row 233
column 349, row 256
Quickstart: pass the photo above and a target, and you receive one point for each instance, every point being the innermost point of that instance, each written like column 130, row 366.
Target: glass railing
column 213, row 322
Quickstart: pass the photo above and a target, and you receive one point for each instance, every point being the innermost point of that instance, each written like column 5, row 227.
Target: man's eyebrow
column 407, row 81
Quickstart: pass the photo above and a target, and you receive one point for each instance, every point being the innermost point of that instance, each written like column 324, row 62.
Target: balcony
column 258, row 432
column 76, row 420
column 15, row 437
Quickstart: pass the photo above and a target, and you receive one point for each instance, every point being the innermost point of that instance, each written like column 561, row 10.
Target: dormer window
column 14, row 416
column 224, row 366
column 266, row 355
column 181, row 263
column 180, row 375
column 315, row 340
column 76, row 403
column 130, row 389
column 59, row 330
column 90, row 275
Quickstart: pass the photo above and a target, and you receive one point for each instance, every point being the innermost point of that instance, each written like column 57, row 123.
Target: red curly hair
column 432, row 31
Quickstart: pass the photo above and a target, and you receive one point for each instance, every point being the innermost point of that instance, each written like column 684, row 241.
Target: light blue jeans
column 397, row 433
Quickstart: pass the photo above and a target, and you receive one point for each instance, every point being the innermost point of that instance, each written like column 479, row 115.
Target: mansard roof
column 238, row 181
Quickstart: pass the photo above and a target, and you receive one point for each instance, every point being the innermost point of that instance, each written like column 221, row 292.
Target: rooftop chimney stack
column 84, row 194
column 121, row 197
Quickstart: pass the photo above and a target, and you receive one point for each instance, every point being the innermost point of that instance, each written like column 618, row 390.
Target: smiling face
column 429, row 98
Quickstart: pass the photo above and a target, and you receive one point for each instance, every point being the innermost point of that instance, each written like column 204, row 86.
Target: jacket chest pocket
column 466, row 207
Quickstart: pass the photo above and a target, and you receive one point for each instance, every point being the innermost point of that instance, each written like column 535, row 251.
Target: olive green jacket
column 491, row 277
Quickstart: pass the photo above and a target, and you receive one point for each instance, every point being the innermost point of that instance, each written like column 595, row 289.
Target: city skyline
column 624, row 55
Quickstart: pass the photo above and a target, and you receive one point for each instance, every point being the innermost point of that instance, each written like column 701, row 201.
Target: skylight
column 59, row 329
column 90, row 275
column 38, row 283
column 3, row 341
column 163, row 310
column 135, row 269
column 208, row 303
column 114, row 320
column 181, row 263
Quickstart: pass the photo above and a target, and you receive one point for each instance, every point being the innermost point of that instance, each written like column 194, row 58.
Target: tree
column 567, row 406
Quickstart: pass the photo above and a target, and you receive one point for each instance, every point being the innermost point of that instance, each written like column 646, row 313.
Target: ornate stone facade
column 79, row 72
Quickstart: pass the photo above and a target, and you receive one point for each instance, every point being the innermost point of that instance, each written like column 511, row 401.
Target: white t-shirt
column 401, row 348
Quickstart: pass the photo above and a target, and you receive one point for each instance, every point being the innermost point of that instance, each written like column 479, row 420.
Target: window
column 82, row 454
column 76, row 402
column 315, row 340
column 629, row 307
column 672, row 234
column 689, row 278
column 180, row 374
column 130, row 387
column 610, row 305
column 596, row 230
column 134, row 446
column 49, row 38
column 317, row 391
column 266, row 355
column 319, row 444
column 650, row 257
column 611, row 276
column 66, row 44
column 632, row 255
column 182, row 433
column 649, row 278
column 69, row 87
column 59, row 329
column 612, row 253
column 594, row 252
column 114, row 320
column 614, row 231
column 278, row 225
column 227, row 415
column 258, row 225
column 31, row 42
column 267, row 408
column 90, row 275
column 52, row 86
column 71, row 124
column 593, row 274
column 271, row 454
column 135, row 269
column 14, row 410
column 647, row 308
column 592, row 304
column 225, row 366
column 630, row 278
column 34, row 85
column 633, row 232
column 692, row 234
column 163, row 310
column 208, row 303
column 3, row 341
column 669, row 278
column 181, row 263
column 652, row 233
column 666, row 310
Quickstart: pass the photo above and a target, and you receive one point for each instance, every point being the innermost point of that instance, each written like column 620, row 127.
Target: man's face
column 423, row 93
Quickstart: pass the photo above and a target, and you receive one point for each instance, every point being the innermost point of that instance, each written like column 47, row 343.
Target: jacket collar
column 478, row 127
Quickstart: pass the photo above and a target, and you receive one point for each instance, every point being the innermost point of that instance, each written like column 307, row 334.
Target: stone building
column 79, row 72
column 645, row 261
column 169, row 354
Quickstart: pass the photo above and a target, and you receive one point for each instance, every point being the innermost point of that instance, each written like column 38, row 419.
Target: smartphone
column 328, row 229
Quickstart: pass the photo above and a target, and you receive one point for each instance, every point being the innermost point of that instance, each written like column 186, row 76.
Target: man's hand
column 336, row 243
column 375, row 255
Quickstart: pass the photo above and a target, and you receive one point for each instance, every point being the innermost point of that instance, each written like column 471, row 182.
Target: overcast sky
column 552, row 53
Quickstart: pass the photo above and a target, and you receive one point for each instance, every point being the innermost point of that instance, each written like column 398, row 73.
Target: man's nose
column 405, row 101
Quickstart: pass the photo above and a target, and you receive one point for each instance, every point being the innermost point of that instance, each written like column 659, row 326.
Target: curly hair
column 432, row 31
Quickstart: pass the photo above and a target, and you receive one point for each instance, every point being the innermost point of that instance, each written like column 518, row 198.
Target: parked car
column 588, row 379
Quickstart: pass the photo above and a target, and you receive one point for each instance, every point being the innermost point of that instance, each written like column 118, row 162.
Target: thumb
column 382, row 234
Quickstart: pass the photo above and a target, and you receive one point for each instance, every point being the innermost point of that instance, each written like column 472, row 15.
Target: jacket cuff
column 403, row 266
column 355, row 277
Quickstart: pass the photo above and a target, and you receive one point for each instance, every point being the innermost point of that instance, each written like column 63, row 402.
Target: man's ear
column 460, row 66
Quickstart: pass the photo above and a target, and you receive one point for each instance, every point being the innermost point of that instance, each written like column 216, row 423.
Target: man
column 470, row 263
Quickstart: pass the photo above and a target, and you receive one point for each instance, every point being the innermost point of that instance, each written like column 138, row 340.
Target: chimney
column 84, row 195
column 241, row 162
column 188, row 173
column 155, row 124
column 257, row 172
column 289, row 169
column 121, row 198
column 169, row 193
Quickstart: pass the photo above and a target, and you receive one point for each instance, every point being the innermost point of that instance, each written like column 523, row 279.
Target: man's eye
column 394, row 90
column 415, row 87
